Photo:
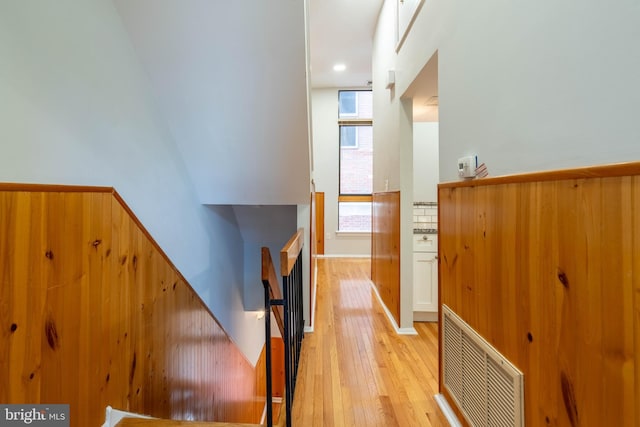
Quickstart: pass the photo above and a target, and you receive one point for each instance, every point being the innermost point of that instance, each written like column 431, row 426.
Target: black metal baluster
column 293, row 334
column 287, row 352
column 267, row 323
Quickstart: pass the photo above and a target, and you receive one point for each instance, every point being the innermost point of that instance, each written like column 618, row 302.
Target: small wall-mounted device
column 467, row 166
column 391, row 79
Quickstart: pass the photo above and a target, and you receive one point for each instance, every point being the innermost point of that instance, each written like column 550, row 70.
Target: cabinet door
column 425, row 281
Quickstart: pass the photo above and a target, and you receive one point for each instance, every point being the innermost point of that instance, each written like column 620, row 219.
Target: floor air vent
column 486, row 386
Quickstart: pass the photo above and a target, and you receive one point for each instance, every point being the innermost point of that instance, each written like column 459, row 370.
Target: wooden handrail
column 290, row 308
column 290, row 251
column 269, row 277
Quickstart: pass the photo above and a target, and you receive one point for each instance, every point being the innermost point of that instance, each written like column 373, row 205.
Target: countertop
column 425, row 231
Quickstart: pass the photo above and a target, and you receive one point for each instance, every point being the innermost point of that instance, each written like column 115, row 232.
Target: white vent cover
column 487, row 388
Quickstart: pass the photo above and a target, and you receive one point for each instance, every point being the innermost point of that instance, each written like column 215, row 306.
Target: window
column 356, row 163
column 348, row 137
column 348, row 103
column 354, row 216
column 356, row 160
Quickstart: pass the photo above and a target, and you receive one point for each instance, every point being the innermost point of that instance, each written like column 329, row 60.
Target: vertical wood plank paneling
column 617, row 333
column 63, row 313
column 635, row 283
column 570, row 278
column 21, row 305
column 385, row 249
column 278, row 382
column 93, row 314
column 97, row 252
column 547, row 271
column 120, row 350
column 319, row 213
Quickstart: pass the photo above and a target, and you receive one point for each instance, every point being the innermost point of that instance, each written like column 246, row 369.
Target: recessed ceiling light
column 339, row 67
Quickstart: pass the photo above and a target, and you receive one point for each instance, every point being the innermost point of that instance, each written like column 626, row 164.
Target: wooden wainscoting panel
column 548, row 273
column 319, row 213
column 92, row 314
column 277, row 369
column 635, row 283
column 385, row 249
column 22, row 295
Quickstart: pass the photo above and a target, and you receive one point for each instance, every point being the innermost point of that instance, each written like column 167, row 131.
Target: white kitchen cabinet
column 425, row 281
column 425, row 278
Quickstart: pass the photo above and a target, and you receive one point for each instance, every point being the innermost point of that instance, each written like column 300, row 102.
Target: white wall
column 525, row 86
column 425, row 161
column 386, row 108
column 268, row 225
column 76, row 108
column 232, row 72
column 304, row 221
column 326, row 162
column 405, row 137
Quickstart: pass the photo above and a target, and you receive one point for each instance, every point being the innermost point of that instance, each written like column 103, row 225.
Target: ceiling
column 341, row 31
column 424, row 92
column 229, row 78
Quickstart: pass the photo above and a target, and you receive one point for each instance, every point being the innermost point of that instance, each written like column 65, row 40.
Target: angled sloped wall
column 94, row 314
column 76, row 107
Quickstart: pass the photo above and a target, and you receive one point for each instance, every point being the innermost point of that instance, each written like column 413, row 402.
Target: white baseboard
column 447, row 411
column 425, row 316
column 114, row 416
column 399, row 331
column 310, row 329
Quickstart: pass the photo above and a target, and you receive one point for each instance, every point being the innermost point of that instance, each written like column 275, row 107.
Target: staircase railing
column 288, row 311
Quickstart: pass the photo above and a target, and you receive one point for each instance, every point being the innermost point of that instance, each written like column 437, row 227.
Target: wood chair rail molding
column 97, row 315
column 54, row 188
column 598, row 171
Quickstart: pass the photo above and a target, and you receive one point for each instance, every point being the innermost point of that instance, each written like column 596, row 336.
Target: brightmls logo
column 36, row 415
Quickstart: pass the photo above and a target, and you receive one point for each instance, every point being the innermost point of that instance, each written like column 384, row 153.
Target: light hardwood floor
column 354, row 369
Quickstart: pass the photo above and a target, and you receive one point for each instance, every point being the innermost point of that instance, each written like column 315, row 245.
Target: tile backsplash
column 425, row 215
